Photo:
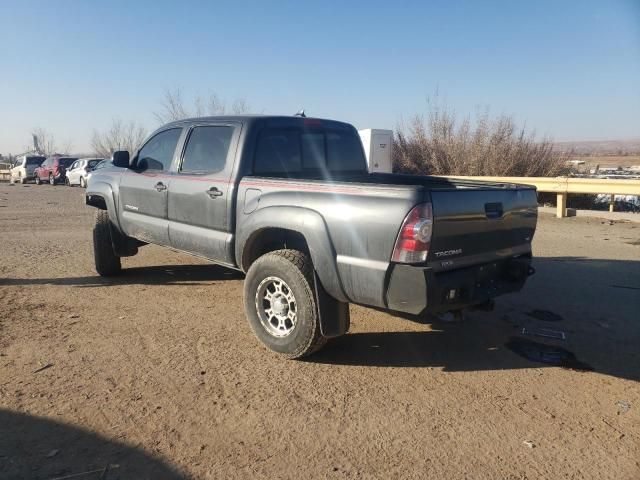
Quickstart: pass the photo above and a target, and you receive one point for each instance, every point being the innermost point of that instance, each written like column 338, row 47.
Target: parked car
column 53, row 169
column 289, row 201
column 79, row 170
column 24, row 167
column 102, row 164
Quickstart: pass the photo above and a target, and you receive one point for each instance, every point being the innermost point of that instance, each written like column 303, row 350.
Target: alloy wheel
column 276, row 306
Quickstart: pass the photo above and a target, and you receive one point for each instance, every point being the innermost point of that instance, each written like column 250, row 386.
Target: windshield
column 35, row 160
column 66, row 161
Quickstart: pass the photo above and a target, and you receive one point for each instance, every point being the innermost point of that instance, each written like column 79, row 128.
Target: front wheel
column 106, row 260
column 280, row 304
column 52, row 179
column 67, row 183
column 83, row 183
column 38, row 181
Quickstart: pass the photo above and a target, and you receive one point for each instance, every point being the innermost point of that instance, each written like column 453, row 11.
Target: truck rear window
column 313, row 151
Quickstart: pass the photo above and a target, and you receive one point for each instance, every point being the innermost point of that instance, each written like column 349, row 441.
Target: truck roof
column 253, row 118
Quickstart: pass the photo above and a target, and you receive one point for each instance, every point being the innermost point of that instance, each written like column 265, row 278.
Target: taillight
column 412, row 245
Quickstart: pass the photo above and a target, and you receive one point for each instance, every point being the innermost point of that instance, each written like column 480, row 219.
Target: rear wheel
column 107, row 262
column 38, row 181
column 280, row 303
column 52, row 179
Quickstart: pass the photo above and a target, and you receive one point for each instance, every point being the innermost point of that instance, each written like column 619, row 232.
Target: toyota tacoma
column 289, row 202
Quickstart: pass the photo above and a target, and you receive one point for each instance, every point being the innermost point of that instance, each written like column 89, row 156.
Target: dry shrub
column 119, row 136
column 440, row 144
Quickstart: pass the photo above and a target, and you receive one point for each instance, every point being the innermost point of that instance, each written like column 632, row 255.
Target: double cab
column 289, row 202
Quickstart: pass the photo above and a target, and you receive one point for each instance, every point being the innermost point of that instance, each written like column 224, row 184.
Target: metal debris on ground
column 544, row 332
column 623, row 406
column 44, row 367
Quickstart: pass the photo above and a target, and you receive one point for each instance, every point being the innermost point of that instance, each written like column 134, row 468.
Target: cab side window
column 157, row 153
column 207, row 149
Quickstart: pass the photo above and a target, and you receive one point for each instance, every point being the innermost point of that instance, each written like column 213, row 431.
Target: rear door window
column 207, row 149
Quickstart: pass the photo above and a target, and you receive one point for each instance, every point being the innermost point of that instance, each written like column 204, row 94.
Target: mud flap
column 123, row 246
column 333, row 315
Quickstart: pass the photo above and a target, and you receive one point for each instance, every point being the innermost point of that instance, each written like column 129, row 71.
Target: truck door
column 144, row 188
column 199, row 193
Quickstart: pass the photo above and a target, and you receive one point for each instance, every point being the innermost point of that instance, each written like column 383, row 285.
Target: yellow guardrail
column 563, row 186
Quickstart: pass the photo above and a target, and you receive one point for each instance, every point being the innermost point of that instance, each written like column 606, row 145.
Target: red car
column 53, row 169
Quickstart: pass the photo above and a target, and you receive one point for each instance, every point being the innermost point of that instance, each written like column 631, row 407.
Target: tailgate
column 473, row 226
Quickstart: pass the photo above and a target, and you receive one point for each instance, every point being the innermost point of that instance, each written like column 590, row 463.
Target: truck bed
column 474, row 223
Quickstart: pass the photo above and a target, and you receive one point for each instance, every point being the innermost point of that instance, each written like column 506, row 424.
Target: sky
column 566, row 69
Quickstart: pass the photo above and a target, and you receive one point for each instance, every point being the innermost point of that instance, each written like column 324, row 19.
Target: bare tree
column 66, row 147
column 43, row 141
column 120, row 136
column 173, row 107
column 240, row 106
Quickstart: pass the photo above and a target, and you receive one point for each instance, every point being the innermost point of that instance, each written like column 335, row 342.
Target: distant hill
column 601, row 147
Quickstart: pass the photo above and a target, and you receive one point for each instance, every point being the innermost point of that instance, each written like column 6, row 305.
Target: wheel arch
column 101, row 196
column 275, row 228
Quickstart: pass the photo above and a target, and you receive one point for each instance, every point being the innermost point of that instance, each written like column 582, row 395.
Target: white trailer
column 377, row 148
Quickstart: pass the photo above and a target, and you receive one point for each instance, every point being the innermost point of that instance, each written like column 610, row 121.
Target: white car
column 79, row 171
column 23, row 170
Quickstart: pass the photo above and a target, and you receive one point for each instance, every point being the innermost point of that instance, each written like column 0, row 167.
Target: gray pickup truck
column 289, row 202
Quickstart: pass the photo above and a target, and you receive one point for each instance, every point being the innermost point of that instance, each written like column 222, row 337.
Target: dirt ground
column 156, row 374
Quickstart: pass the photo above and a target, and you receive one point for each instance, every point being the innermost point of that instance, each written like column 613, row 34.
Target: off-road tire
column 107, row 262
column 296, row 269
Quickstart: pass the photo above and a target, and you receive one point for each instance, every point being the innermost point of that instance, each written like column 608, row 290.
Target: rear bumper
column 418, row 290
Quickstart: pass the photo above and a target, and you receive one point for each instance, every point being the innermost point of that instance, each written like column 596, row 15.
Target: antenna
column 300, row 113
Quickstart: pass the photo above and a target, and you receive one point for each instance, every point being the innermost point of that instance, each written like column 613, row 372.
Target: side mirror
column 121, row 159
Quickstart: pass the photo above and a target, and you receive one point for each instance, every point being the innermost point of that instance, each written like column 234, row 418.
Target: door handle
column 213, row 192
column 161, row 187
